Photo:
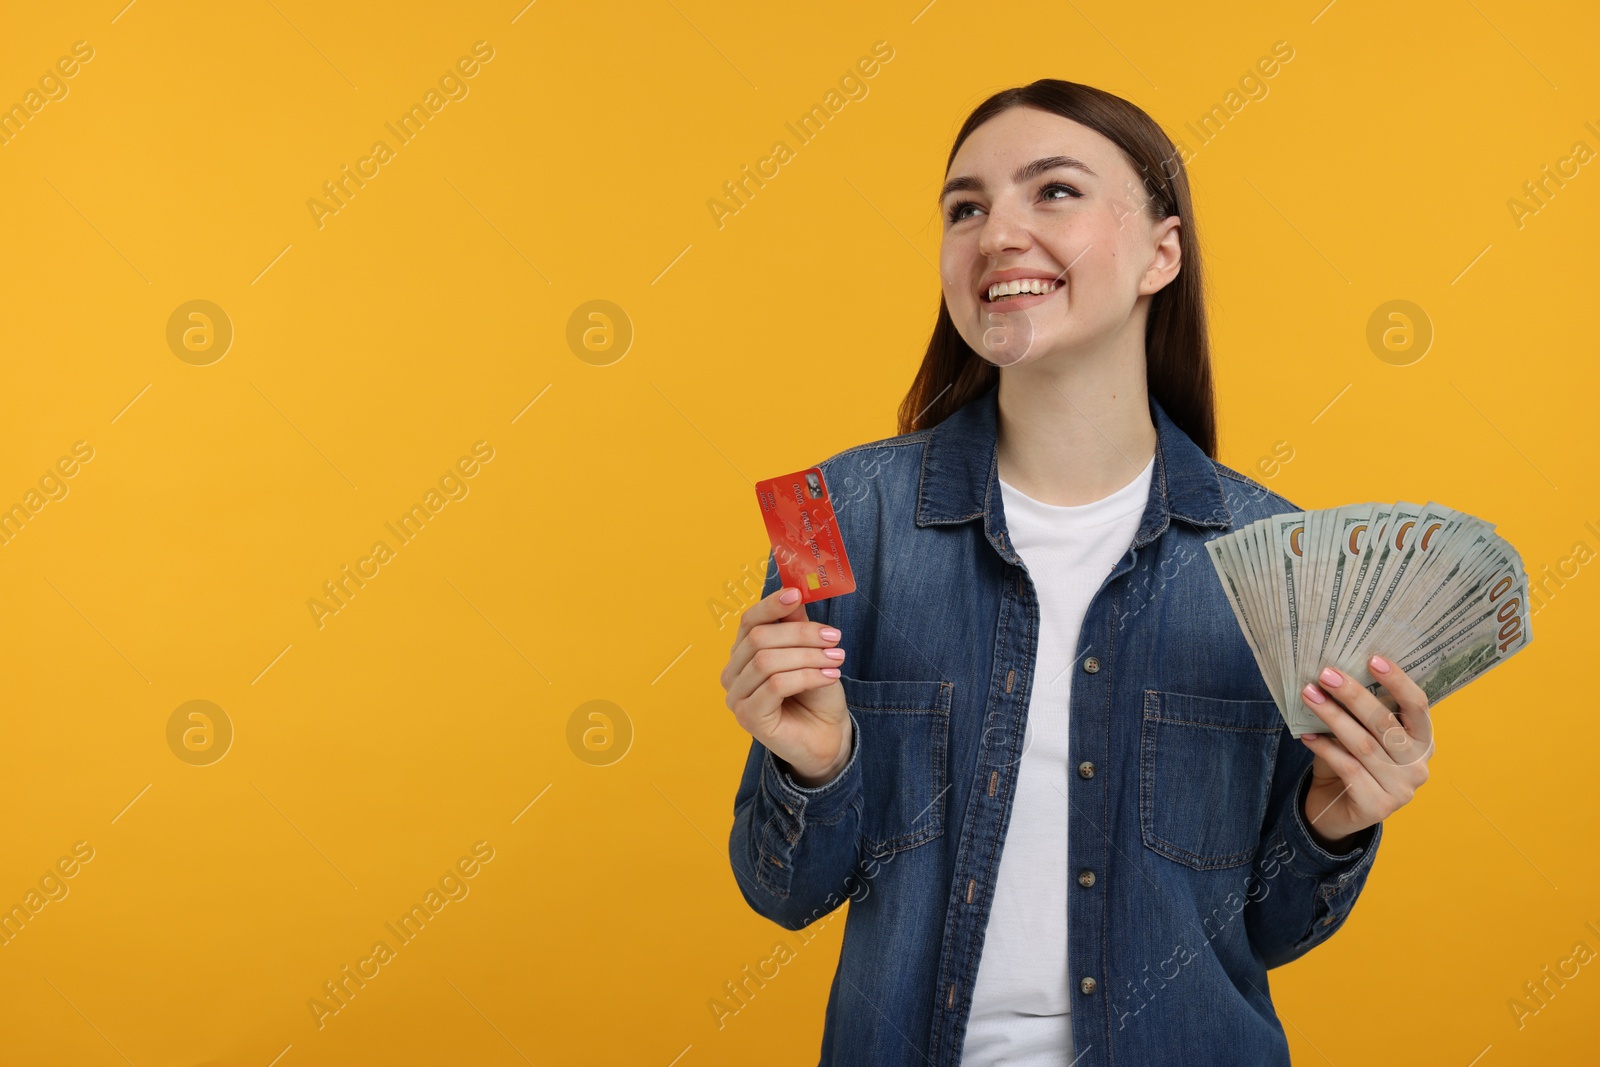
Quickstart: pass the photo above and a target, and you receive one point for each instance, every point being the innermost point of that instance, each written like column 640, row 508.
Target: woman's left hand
column 1373, row 762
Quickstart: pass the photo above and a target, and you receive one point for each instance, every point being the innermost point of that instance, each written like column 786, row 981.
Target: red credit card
column 805, row 539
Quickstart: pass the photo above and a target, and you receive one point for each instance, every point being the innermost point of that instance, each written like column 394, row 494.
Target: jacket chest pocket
column 1205, row 772
column 905, row 731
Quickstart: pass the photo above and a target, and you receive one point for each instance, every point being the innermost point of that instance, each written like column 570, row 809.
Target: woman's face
column 1035, row 198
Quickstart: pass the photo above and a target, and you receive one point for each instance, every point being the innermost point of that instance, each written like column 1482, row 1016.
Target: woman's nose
column 1002, row 232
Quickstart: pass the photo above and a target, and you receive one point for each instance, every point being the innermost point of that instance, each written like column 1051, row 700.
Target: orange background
column 447, row 702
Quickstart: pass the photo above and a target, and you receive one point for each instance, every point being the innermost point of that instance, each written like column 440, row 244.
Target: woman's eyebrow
column 1026, row 172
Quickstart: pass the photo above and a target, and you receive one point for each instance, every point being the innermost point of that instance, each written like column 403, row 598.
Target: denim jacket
column 1193, row 868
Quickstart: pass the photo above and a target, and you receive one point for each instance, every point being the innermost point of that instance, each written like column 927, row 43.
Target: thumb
column 797, row 613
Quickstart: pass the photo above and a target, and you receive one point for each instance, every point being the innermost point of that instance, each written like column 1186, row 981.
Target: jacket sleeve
column 793, row 848
column 1304, row 892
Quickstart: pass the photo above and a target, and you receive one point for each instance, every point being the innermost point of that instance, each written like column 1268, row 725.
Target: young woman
column 1033, row 748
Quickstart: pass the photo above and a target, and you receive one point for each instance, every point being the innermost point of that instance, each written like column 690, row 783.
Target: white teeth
column 1021, row 285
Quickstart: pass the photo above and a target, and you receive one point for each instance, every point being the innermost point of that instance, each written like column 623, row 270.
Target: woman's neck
column 1074, row 430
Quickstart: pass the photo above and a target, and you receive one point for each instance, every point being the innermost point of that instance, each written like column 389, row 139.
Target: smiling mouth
column 1024, row 288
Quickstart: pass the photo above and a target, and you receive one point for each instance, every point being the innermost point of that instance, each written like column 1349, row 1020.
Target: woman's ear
column 1166, row 255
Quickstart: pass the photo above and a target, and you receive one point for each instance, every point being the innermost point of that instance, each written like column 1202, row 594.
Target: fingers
column 1369, row 732
column 1409, row 696
column 766, row 662
column 773, row 635
column 783, row 602
column 1368, row 711
column 764, row 703
column 769, row 609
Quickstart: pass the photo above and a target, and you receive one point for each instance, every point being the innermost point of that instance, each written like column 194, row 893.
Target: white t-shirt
column 1023, row 994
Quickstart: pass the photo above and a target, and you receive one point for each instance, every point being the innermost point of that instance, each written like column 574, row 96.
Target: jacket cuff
column 821, row 803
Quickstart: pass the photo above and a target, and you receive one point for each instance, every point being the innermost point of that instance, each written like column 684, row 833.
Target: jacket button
column 1085, row 769
column 1086, row 878
column 1088, row 985
column 1091, row 665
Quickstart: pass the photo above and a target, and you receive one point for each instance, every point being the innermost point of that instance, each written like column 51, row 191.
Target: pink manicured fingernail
column 830, row 634
column 1330, row 676
column 1314, row 694
column 831, row 672
column 789, row 596
column 1380, row 664
column 1307, row 738
column 833, row 653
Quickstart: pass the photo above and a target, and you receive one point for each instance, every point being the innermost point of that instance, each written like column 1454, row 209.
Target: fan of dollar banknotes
column 1427, row 587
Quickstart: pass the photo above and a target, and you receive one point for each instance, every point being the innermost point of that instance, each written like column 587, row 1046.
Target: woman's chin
column 1005, row 359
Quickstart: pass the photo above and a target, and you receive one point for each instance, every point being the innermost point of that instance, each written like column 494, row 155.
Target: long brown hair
column 1177, row 351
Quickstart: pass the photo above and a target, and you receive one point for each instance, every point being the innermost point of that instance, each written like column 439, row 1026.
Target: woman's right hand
column 783, row 687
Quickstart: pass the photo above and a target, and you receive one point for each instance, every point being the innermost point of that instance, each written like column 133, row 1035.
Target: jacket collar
column 960, row 475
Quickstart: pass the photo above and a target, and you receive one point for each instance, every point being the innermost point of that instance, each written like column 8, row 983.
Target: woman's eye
column 1073, row 193
column 956, row 209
